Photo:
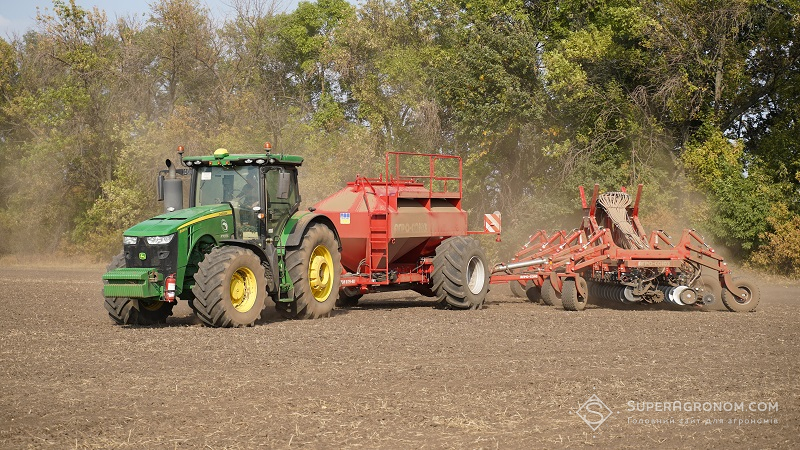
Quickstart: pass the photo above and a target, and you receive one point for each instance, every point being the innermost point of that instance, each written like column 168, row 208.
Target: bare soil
column 392, row 373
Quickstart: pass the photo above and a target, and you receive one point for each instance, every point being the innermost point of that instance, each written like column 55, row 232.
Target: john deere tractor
column 241, row 239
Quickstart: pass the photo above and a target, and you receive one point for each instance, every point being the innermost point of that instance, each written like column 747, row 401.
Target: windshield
column 221, row 184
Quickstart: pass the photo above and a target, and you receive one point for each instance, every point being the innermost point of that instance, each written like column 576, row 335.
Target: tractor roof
column 221, row 157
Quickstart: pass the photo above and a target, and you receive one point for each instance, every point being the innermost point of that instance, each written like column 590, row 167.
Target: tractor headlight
column 128, row 240
column 159, row 240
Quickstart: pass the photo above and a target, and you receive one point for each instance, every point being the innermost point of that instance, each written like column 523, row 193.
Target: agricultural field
column 394, row 373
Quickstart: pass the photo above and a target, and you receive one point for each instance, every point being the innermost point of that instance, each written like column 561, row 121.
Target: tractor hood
column 172, row 222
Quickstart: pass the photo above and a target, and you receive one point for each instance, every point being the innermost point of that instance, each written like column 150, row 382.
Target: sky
column 17, row 16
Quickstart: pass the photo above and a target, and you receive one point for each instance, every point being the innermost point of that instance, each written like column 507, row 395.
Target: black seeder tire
column 460, row 273
column 131, row 311
column 533, row 293
column 571, row 299
column 230, row 288
column 549, row 295
column 315, row 269
column 517, row 289
column 749, row 296
column 710, row 295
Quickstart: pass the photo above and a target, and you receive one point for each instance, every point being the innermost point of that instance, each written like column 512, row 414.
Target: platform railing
column 406, row 168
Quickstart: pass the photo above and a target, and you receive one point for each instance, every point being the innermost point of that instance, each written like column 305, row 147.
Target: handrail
column 396, row 177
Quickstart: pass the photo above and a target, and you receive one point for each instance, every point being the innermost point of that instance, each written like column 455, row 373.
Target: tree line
column 696, row 99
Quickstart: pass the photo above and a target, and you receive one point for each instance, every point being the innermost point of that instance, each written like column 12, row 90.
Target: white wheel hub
column 476, row 275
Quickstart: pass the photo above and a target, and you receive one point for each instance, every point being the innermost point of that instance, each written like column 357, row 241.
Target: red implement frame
column 592, row 252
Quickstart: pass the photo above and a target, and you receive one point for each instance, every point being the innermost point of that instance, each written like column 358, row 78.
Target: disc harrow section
column 610, row 257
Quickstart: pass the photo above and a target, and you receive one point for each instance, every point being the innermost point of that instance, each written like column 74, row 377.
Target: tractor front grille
column 163, row 257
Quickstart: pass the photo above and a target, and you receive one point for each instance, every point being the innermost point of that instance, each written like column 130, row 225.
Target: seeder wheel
column 571, row 298
column 517, row 289
column 533, row 292
column 460, row 273
column 747, row 298
column 549, row 295
column 709, row 291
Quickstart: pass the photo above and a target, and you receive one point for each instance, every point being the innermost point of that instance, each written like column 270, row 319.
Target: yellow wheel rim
column 243, row 289
column 151, row 306
column 320, row 273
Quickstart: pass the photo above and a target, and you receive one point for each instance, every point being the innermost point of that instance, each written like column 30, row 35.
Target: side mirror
column 284, row 185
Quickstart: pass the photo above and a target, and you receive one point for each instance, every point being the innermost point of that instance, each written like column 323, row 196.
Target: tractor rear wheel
column 132, row 311
column 230, row 288
column 517, row 289
column 549, row 295
column 747, row 298
column 315, row 269
column 571, row 298
column 460, row 273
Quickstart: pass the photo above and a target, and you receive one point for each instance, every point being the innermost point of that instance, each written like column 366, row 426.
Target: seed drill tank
column 396, row 229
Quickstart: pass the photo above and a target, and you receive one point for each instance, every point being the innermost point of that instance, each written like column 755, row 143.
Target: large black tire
column 348, row 298
column 748, row 298
column 316, row 270
column 517, row 289
column 533, row 293
column 230, row 288
column 460, row 273
column 549, row 295
column 131, row 311
column 571, row 299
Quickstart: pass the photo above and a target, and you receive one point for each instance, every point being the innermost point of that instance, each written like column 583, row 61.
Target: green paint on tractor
column 242, row 215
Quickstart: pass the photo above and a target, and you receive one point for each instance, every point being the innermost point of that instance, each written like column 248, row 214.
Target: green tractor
column 241, row 238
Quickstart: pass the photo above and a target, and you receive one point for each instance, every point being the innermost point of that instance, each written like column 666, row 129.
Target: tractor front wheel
column 132, row 311
column 315, row 269
column 230, row 288
column 460, row 273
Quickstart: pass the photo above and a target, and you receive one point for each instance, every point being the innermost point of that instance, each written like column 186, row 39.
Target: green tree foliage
column 739, row 201
column 781, row 250
column 696, row 99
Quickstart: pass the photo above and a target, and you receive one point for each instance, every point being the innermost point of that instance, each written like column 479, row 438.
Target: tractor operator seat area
column 240, row 186
column 236, row 185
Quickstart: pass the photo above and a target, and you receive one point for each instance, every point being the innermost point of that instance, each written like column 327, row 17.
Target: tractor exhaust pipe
column 172, row 189
column 518, row 265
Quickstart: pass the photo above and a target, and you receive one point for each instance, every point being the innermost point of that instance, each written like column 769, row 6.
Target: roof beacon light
column 267, row 147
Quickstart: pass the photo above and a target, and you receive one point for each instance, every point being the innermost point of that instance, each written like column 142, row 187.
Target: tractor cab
column 262, row 197
column 261, row 190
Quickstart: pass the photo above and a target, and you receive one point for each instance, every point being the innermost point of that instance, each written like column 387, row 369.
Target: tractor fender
column 296, row 234
column 268, row 255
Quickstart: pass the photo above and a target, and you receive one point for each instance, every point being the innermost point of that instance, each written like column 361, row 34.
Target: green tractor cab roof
column 221, row 157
